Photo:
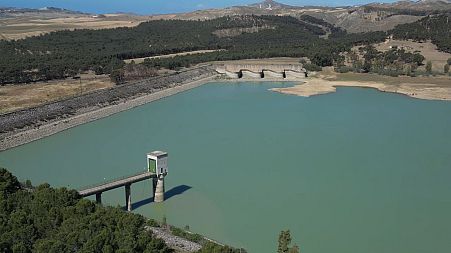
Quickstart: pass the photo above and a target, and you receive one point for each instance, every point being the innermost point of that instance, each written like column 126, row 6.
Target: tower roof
column 158, row 153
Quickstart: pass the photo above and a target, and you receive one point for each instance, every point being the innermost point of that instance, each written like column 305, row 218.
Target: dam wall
column 229, row 74
column 256, row 71
column 261, row 67
column 250, row 74
column 273, row 74
column 294, row 74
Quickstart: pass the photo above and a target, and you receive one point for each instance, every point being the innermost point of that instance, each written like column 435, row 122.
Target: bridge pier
column 157, row 170
column 99, row 198
column 128, row 197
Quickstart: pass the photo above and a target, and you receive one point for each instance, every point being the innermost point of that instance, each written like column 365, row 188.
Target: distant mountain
column 272, row 5
column 45, row 12
column 370, row 17
column 421, row 5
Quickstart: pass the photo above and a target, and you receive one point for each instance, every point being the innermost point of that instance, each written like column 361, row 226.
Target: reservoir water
column 353, row 171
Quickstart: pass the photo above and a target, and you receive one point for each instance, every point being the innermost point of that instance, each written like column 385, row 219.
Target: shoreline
column 319, row 86
column 23, row 136
column 304, row 87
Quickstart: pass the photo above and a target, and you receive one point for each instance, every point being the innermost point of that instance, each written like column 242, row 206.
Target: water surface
column 353, row 171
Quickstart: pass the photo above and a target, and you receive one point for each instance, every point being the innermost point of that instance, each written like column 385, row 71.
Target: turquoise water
column 353, row 171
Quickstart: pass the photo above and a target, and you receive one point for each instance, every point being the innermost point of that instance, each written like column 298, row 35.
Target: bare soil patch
column 16, row 97
column 430, row 88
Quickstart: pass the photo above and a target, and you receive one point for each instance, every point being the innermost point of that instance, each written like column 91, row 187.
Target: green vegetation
column 189, row 236
column 312, row 67
column 393, row 62
column 436, row 28
column 44, row 219
column 446, row 68
column 210, row 247
column 284, row 243
column 67, row 53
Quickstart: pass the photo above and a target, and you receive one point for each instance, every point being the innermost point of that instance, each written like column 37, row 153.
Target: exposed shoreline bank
column 318, row 86
column 306, row 87
column 23, row 136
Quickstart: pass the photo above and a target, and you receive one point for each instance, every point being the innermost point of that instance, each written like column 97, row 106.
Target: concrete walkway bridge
column 157, row 170
column 126, row 181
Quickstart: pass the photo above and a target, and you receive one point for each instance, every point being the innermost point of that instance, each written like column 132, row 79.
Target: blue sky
column 159, row 6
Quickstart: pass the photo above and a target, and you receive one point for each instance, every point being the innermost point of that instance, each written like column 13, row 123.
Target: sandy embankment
column 32, row 134
column 318, row 86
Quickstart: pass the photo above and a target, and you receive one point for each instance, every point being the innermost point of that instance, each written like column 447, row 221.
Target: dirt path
column 140, row 60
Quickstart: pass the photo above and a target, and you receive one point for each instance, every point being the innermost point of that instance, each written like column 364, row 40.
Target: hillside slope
column 371, row 17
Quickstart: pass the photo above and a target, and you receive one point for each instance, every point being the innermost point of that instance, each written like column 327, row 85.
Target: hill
column 436, row 28
column 371, row 17
column 16, row 23
column 49, row 12
column 45, row 57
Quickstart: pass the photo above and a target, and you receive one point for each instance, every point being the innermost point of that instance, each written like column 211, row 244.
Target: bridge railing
column 110, row 181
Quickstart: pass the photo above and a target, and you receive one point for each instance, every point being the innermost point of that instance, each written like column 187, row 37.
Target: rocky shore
column 20, row 127
column 175, row 241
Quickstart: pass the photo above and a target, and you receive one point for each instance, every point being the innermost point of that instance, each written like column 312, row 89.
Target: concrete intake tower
column 157, row 163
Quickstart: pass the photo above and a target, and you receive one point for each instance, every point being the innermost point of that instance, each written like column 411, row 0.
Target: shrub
column 312, row 67
column 344, row 69
column 322, row 59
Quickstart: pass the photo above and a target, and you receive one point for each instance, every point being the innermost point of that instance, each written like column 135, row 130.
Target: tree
column 429, row 67
column 8, row 182
column 322, row 59
column 449, row 61
column 284, row 241
column 58, row 220
column 117, row 76
column 446, row 68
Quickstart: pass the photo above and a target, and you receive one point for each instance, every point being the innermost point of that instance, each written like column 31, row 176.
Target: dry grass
column 427, row 49
column 21, row 27
column 16, row 97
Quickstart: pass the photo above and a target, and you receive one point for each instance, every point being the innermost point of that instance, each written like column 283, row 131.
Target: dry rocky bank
column 21, row 127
